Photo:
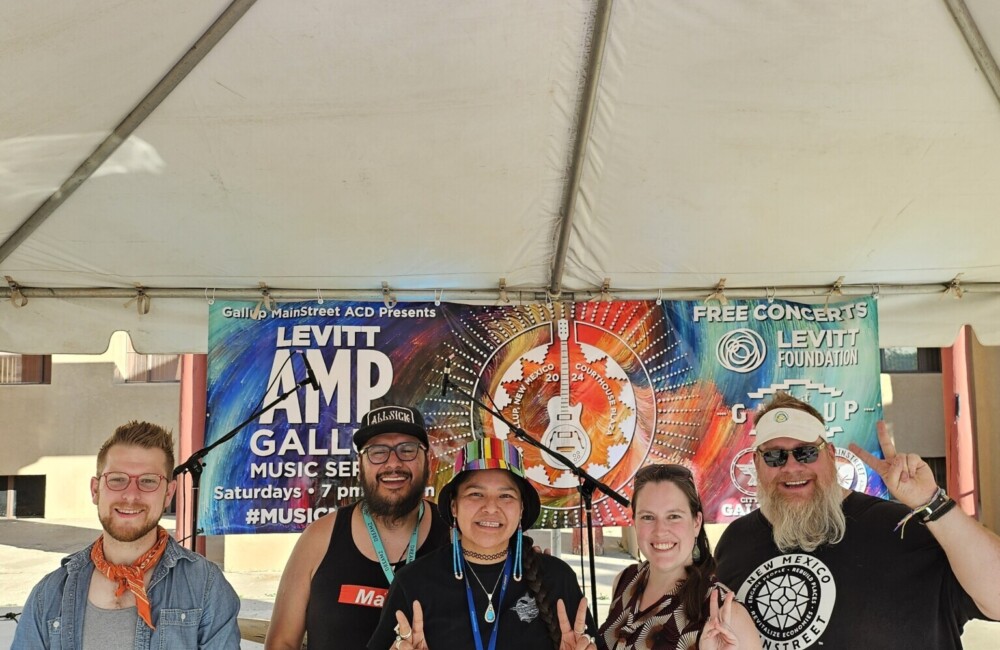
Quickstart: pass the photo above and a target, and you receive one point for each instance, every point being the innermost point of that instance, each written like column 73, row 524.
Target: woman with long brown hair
column 671, row 601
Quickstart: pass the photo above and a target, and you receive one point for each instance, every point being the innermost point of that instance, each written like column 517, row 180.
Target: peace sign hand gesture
column 574, row 637
column 718, row 633
column 909, row 479
column 413, row 639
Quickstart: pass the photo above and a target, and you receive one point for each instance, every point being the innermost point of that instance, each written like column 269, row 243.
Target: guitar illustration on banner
column 565, row 433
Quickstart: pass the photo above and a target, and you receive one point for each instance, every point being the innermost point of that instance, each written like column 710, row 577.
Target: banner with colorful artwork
column 613, row 385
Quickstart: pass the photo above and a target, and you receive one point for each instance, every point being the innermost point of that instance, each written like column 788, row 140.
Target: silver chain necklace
column 490, row 615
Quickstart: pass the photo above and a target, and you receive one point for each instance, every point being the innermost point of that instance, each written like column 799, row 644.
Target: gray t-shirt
column 104, row 629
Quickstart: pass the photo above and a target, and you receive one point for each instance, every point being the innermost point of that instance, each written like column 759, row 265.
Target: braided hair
column 536, row 587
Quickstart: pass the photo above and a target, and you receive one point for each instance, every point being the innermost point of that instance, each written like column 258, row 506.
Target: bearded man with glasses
column 338, row 575
column 135, row 587
column 819, row 565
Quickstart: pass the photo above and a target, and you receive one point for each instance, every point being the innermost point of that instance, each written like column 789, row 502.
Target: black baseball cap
column 391, row 419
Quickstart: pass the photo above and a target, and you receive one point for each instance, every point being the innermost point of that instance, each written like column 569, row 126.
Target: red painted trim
column 194, row 391
column 960, row 441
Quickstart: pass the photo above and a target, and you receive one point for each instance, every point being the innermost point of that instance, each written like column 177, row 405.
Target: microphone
column 310, row 375
column 445, row 376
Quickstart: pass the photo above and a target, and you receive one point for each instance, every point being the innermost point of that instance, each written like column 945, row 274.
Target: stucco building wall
column 56, row 429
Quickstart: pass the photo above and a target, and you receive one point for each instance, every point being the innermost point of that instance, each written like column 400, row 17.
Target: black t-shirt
column 871, row 590
column 348, row 589
column 447, row 626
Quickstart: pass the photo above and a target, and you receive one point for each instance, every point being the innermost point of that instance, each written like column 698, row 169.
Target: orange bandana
column 131, row 576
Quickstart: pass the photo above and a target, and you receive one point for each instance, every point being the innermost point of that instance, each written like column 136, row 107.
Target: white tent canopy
column 441, row 146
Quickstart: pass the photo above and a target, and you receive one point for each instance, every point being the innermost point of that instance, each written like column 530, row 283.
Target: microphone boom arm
column 523, row 435
column 588, row 484
column 194, row 466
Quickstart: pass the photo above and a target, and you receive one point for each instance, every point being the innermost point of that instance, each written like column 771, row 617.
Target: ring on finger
column 399, row 640
column 400, row 635
column 590, row 640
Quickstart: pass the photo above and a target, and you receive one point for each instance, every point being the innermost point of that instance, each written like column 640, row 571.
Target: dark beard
column 394, row 509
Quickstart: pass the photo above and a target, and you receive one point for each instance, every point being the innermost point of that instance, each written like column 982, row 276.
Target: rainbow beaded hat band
column 491, row 453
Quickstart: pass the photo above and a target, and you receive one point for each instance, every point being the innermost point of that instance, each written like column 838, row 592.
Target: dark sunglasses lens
column 660, row 472
column 778, row 457
column 678, row 470
column 775, row 457
column 807, row 454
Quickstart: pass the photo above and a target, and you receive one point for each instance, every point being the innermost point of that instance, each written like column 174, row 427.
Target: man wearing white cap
column 822, row 566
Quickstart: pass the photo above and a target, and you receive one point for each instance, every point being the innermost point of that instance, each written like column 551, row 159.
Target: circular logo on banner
column 593, row 382
column 741, row 350
column 743, row 473
column 851, row 472
column 790, row 599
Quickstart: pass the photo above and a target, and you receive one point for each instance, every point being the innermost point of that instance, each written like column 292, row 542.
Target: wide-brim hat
column 491, row 453
column 788, row 423
column 391, row 419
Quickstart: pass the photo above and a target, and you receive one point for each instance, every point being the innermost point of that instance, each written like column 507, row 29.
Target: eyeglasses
column 118, row 481
column 805, row 454
column 379, row 454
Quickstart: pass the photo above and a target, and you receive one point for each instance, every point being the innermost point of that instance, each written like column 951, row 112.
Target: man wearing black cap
column 336, row 579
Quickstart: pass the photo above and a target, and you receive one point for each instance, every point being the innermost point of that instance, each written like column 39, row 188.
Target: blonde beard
column 805, row 526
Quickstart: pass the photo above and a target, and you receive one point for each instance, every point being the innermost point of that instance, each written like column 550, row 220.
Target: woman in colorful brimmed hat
column 488, row 590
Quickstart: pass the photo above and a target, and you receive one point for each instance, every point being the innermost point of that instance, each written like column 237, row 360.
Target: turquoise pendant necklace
column 490, row 615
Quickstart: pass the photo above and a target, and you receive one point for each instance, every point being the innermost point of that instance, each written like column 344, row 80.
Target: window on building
column 25, row 368
column 149, row 368
column 22, row 496
column 911, row 359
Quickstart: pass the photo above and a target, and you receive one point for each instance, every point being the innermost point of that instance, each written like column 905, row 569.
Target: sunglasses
column 379, row 454
column 655, row 472
column 805, row 454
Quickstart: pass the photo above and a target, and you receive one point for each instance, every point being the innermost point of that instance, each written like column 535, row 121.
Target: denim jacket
column 193, row 606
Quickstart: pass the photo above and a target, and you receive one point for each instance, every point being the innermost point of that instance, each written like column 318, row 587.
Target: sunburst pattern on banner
column 607, row 384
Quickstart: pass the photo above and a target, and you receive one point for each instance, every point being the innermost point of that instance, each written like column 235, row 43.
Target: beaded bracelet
column 937, row 507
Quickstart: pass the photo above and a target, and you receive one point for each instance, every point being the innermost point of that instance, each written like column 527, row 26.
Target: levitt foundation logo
column 741, row 350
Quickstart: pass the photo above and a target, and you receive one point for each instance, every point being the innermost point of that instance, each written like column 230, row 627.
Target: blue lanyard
column 411, row 552
column 474, row 616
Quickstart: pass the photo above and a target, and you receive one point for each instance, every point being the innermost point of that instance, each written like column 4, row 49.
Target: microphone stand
column 194, row 465
column 588, row 484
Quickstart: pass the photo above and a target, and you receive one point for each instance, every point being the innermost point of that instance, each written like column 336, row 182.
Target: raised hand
column 909, row 479
column 574, row 637
column 718, row 633
column 410, row 637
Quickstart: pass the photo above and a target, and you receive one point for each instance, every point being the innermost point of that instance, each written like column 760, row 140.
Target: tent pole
column 137, row 116
column 585, row 118
column 977, row 44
